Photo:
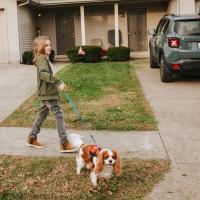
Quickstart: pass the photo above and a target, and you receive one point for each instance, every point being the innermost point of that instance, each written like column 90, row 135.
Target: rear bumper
column 187, row 66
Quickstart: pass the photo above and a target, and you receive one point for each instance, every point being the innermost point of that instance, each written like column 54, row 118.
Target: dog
column 101, row 161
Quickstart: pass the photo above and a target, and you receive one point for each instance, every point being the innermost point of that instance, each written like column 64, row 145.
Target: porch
column 105, row 24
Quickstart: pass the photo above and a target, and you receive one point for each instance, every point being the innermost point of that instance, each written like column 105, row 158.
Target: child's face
column 47, row 47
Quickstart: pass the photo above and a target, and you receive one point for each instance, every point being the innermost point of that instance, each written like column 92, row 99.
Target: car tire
column 165, row 76
column 153, row 64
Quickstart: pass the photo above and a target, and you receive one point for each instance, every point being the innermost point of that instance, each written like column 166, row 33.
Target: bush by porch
column 95, row 53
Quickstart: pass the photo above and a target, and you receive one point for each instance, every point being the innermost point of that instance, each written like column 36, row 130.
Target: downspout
column 20, row 5
column 180, row 7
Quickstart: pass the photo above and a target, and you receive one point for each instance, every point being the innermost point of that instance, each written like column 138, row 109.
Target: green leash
column 73, row 106
column 79, row 115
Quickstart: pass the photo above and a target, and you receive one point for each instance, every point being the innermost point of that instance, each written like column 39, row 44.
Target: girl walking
column 48, row 92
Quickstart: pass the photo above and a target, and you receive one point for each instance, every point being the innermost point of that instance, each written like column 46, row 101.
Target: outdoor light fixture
column 121, row 14
column 39, row 14
column 38, row 31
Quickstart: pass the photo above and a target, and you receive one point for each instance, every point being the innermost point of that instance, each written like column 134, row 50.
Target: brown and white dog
column 101, row 161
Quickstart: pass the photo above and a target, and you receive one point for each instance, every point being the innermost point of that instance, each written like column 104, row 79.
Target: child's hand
column 62, row 87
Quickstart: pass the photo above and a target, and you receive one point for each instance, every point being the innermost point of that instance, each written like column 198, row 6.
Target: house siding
column 187, row 7
column 27, row 27
column 3, row 38
column 183, row 7
column 11, row 16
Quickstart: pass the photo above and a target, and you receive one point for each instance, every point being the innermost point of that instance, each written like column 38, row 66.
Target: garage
column 3, row 38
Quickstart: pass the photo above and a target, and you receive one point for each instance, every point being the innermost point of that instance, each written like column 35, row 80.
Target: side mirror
column 151, row 31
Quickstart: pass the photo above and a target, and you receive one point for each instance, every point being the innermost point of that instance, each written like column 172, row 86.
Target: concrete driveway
column 177, row 109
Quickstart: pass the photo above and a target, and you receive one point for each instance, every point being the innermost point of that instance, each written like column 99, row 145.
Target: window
column 159, row 27
column 185, row 27
column 165, row 26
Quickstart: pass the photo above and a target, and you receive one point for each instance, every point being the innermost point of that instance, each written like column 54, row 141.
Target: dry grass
column 55, row 178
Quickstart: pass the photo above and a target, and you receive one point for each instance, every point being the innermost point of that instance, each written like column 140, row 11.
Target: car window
column 165, row 26
column 159, row 27
column 185, row 27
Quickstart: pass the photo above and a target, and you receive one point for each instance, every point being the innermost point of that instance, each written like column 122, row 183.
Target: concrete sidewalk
column 146, row 145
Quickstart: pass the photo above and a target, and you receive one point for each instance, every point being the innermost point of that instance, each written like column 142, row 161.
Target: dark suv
column 175, row 46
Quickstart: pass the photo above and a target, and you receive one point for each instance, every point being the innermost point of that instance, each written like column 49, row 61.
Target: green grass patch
column 107, row 94
column 55, row 178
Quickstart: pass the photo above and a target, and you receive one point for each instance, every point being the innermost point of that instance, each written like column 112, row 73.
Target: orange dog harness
column 94, row 151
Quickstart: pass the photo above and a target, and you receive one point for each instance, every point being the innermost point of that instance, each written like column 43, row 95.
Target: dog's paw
column 78, row 172
column 94, row 184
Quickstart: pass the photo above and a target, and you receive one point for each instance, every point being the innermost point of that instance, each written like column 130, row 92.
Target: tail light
column 176, row 66
column 173, row 42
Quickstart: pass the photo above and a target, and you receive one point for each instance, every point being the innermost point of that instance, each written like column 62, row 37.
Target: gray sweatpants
column 54, row 107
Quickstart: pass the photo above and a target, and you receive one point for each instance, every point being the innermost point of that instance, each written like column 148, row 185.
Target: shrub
column 92, row 54
column 27, row 57
column 118, row 53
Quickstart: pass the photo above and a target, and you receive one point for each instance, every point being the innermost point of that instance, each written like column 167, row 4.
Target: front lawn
column 107, row 94
column 55, row 178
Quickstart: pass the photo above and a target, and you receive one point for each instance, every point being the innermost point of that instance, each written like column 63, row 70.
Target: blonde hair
column 39, row 46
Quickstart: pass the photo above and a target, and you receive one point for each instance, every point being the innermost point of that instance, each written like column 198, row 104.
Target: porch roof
column 79, row 2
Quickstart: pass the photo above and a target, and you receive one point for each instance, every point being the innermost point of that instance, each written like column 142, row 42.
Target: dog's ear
column 117, row 166
column 100, row 163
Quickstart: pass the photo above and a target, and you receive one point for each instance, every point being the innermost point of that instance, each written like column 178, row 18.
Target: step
column 61, row 58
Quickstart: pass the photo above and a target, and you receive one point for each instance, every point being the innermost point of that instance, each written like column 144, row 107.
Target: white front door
column 3, row 38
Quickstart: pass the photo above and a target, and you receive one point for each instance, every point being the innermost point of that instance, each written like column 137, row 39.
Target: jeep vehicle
column 175, row 46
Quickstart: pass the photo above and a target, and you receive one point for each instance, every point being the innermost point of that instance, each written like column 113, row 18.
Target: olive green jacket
column 47, row 83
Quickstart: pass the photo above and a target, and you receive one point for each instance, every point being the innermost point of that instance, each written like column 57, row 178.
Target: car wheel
column 153, row 64
column 165, row 76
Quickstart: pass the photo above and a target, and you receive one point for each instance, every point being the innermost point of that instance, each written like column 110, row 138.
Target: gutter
column 43, row 3
column 34, row 2
column 23, row 4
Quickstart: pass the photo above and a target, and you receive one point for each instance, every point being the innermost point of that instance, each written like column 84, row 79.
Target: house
column 83, row 22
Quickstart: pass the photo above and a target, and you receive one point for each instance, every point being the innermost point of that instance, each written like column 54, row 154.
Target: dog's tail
column 76, row 140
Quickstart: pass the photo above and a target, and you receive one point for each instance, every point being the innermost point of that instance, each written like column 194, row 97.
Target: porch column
column 116, row 24
column 82, row 24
